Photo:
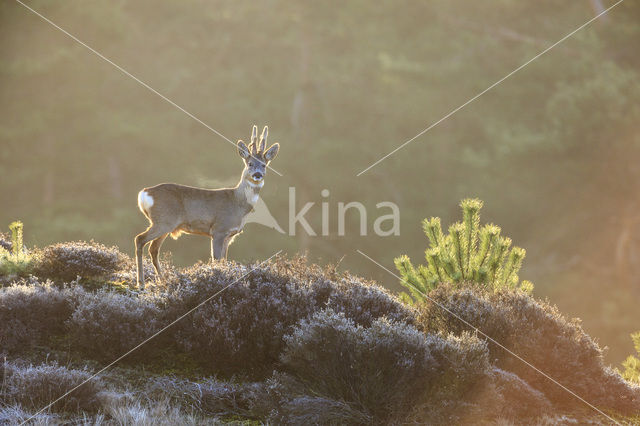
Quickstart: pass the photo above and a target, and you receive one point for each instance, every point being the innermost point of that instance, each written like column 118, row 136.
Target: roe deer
column 216, row 213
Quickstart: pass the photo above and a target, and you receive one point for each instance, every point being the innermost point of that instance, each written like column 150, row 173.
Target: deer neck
column 247, row 191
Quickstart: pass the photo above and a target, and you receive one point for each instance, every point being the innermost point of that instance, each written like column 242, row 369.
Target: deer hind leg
column 154, row 251
column 154, row 231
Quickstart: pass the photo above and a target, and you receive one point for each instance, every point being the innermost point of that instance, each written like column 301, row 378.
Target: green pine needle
column 467, row 253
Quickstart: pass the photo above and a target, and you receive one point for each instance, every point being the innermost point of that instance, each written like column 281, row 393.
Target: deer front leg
column 228, row 240
column 217, row 246
column 225, row 246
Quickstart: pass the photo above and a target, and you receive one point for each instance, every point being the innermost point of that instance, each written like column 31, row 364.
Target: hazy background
column 552, row 151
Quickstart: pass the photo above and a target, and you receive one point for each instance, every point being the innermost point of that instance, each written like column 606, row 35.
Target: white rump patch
column 145, row 201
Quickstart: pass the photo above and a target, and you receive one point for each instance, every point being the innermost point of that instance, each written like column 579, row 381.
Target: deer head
column 256, row 157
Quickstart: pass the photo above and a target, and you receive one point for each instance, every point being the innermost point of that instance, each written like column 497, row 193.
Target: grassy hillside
column 286, row 343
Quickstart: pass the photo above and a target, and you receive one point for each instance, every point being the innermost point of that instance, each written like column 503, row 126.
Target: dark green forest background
column 553, row 151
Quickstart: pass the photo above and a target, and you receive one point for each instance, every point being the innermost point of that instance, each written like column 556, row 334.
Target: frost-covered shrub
column 31, row 312
column 66, row 261
column 508, row 396
column 537, row 332
column 15, row 415
column 128, row 272
column 278, row 400
column 317, row 410
column 381, row 370
column 156, row 413
column 106, row 325
column 241, row 329
column 5, row 241
column 496, row 397
column 463, row 362
column 360, row 300
column 34, row 387
column 210, row 396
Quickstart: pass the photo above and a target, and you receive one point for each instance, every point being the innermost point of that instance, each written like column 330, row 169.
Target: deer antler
column 253, row 146
column 263, row 140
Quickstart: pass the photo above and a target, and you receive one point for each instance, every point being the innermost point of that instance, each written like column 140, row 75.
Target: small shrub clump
column 508, row 396
column 31, row 312
column 468, row 253
column 106, row 325
column 382, row 370
column 33, row 387
column 66, row 261
column 537, row 332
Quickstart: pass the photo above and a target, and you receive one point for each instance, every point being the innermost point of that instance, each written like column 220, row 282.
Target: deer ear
column 271, row 153
column 243, row 150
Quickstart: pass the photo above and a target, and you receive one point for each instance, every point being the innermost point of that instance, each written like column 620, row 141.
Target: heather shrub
column 361, row 300
column 209, row 396
column 508, row 396
column 498, row 397
column 66, row 261
column 31, row 312
column 381, row 370
column 106, row 325
column 242, row 328
column 463, row 363
column 156, row 413
column 317, row 410
column 537, row 332
column 34, row 387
